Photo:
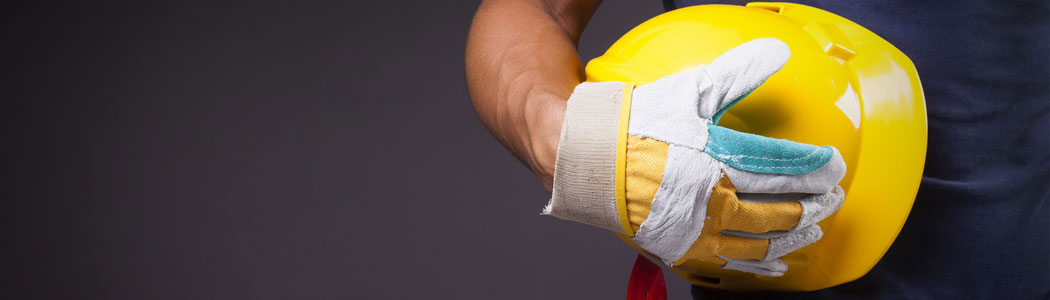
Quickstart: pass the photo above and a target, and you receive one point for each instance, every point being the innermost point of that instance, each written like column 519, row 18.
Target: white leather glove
column 650, row 162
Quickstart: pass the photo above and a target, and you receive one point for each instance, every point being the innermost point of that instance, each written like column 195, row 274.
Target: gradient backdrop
column 260, row 150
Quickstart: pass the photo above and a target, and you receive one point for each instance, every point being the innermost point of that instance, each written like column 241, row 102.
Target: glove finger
column 760, row 213
column 740, row 70
column 818, row 181
column 772, row 268
column 783, row 242
column 818, row 207
column 759, row 164
column 740, row 247
column 780, row 246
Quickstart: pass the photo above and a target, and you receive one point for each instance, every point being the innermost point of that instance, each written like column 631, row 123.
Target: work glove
column 651, row 163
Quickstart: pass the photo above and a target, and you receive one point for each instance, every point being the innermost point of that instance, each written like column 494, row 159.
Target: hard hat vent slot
column 711, row 280
column 839, row 52
column 773, row 7
column 834, row 42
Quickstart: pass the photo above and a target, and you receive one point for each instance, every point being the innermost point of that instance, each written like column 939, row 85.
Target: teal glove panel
column 761, row 154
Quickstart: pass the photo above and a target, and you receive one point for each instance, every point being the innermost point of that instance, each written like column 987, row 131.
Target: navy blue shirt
column 979, row 226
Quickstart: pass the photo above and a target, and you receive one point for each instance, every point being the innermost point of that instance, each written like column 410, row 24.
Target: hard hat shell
column 843, row 86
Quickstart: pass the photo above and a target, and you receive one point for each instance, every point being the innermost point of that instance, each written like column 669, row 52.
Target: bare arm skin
column 521, row 67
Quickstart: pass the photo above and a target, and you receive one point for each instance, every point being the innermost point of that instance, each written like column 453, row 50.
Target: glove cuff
column 588, row 172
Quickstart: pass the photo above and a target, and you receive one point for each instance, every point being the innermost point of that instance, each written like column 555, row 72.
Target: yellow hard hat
column 843, row 86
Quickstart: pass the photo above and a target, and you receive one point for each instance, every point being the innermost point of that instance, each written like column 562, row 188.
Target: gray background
column 265, row 150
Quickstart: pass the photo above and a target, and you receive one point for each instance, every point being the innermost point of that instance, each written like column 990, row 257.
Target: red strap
column 647, row 281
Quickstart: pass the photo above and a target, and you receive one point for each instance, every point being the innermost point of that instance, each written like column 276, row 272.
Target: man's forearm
column 521, row 66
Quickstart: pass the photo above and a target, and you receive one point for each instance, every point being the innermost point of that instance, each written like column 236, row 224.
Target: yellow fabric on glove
column 645, row 169
column 646, row 159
